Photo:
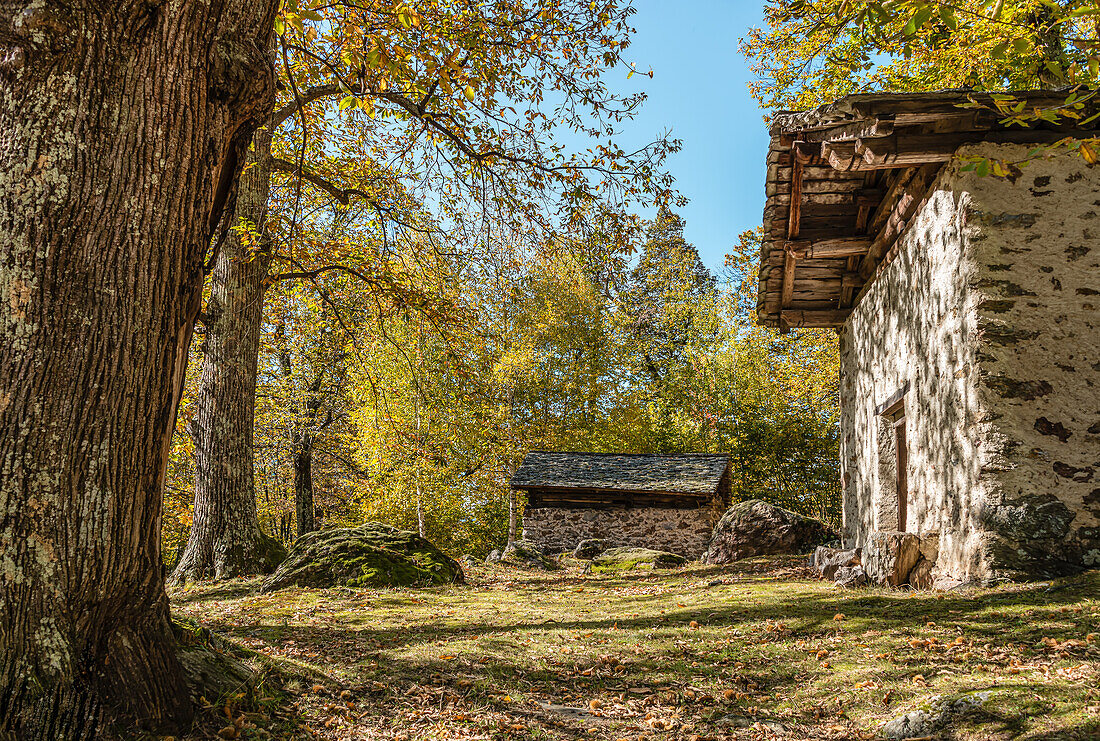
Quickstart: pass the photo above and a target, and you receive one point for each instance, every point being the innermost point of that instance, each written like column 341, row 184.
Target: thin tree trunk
column 513, row 516
column 301, row 443
column 122, row 129
column 226, row 539
column 303, row 485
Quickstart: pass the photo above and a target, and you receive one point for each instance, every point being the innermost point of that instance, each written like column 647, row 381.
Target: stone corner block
column 890, row 557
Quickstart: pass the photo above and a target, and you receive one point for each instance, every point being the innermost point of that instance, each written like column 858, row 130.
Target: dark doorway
column 902, row 469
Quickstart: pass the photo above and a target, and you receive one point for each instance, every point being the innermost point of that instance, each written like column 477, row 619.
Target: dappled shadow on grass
column 473, row 644
column 985, row 616
column 198, row 592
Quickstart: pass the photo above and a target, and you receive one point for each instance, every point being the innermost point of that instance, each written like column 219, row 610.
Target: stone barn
column 967, row 313
column 664, row 502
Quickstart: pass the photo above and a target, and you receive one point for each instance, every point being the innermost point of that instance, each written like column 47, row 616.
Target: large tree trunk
column 303, row 484
column 226, row 539
column 122, row 126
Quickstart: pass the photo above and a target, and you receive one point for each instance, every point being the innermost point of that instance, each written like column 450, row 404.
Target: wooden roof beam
column 867, row 129
column 819, row 318
column 842, row 247
column 912, row 194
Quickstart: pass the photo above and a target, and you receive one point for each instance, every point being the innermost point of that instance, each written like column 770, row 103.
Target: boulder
column 526, row 555
column 589, row 549
column 757, row 528
column 469, row 561
column 921, row 575
column 615, row 560
column 826, row 560
column 494, row 556
column 890, row 556
column 933, row 716
column 850, row 576
column 370, row 555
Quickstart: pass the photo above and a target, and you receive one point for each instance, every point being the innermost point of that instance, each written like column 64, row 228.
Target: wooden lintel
column 819, row 318
column 842, row 247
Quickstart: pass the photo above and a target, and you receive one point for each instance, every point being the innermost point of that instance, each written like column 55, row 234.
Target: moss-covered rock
column 526, row 555
column 371, row 555
column 589, row 549
column 615, row 560
column 933, row 715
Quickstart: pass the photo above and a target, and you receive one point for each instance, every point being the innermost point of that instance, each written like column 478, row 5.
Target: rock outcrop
column 850, row 576
column 933, row 716
column 757, row 528
column 370, row 555
column 524, row 554
column 615, row 560
column 589, row 549
column 826, row 561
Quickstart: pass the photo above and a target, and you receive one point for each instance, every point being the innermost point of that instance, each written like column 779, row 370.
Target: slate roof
column 695, row 474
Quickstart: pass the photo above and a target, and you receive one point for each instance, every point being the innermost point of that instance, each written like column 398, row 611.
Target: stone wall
column 682, row 531
column 988, row 312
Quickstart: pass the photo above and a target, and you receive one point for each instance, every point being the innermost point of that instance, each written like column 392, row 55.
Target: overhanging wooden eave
column 845, row 182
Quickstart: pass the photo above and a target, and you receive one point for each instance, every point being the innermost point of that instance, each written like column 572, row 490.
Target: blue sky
column 699, row 90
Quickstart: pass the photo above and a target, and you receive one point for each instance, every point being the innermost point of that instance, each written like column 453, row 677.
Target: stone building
column 966, row 308
column 665, row 502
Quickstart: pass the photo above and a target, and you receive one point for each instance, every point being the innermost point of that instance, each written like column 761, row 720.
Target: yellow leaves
column 838, row 617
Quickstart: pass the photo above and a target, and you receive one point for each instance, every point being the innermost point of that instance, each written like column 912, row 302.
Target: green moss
column 272, row 552
column 628, row 559
column 371, row 555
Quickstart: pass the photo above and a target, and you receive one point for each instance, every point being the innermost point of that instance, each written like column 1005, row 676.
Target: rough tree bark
column 122, row 128
column 303, row 483
column 226, row 539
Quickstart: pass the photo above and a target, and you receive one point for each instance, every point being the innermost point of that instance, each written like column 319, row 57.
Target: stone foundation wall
column 989, row 314
column 682, row 531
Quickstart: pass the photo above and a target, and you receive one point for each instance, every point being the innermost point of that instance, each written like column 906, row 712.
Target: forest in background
column 416, row 414
column 420, row 284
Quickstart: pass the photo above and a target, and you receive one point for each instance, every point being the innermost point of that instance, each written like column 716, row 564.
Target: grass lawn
column 756, row 650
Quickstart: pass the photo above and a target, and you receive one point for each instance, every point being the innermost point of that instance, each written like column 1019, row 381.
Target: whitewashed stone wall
column 682, row 531
column 989, row 312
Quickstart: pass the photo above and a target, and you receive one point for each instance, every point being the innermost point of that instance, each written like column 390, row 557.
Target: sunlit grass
column 749, row 650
